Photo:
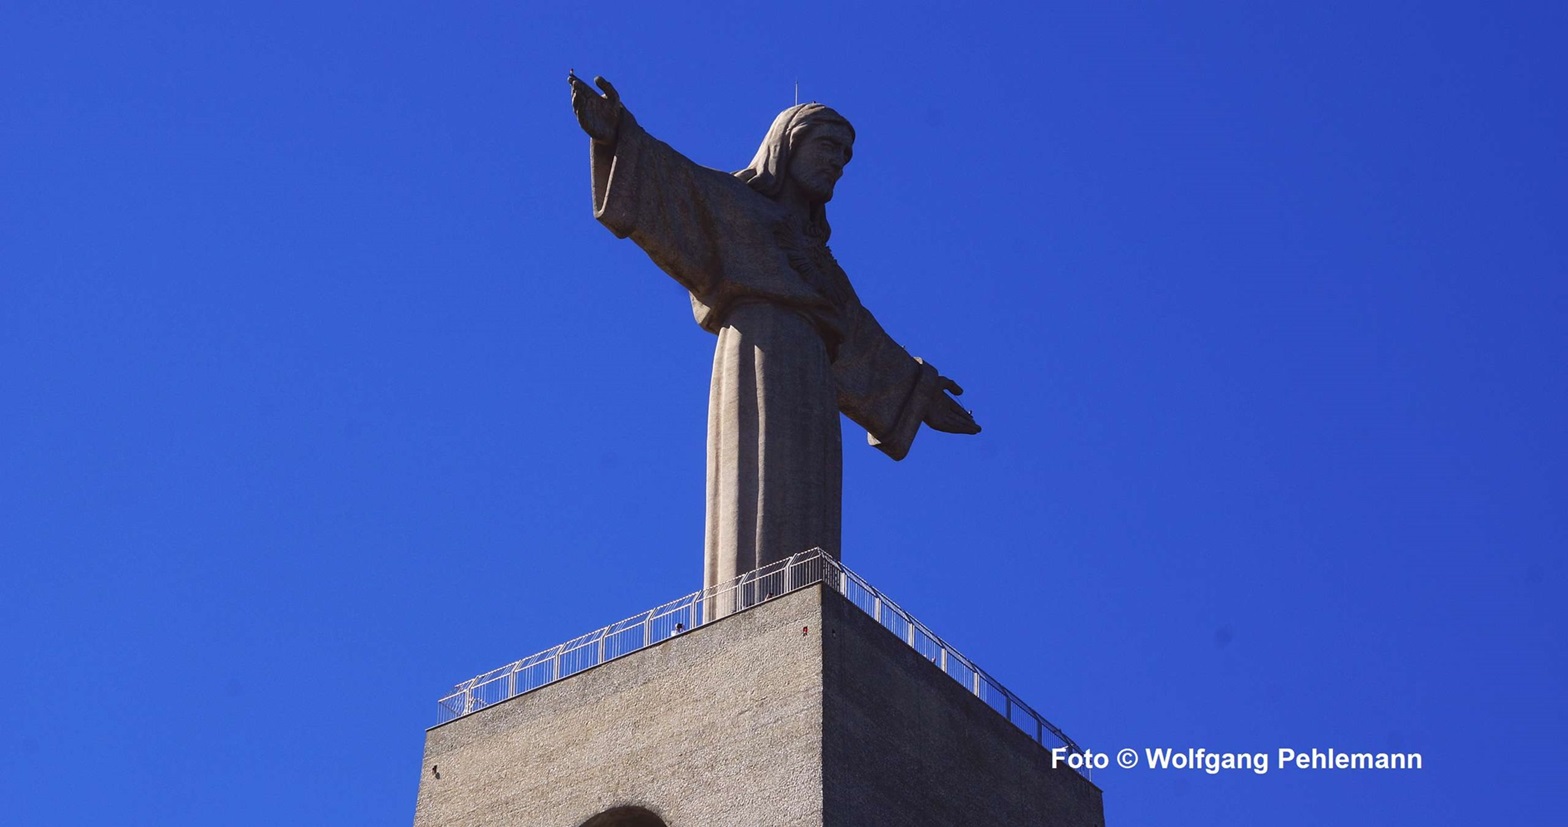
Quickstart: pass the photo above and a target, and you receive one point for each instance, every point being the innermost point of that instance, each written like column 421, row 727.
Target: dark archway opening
column 625, row 817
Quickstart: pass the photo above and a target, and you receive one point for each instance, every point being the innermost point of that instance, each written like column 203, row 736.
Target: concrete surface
column 749, row 722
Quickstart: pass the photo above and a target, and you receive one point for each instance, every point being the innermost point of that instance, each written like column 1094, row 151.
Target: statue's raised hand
column 945, row 414
column 599, row 115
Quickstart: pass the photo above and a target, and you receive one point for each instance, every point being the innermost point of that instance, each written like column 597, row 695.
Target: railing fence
column 684, row 614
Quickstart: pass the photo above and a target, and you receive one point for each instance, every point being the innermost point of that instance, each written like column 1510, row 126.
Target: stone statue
column 795, row 345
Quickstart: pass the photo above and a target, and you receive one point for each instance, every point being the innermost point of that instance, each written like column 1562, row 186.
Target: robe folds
column 795, row 347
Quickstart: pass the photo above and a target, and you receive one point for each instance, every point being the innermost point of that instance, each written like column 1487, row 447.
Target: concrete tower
column 802, row 710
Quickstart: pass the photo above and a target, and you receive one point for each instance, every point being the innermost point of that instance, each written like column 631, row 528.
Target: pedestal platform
column 799, row 712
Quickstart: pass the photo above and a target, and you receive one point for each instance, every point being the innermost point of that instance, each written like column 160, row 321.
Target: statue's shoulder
column 739, row 196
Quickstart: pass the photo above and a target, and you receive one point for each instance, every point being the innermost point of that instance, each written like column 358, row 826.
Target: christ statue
column 795, row 345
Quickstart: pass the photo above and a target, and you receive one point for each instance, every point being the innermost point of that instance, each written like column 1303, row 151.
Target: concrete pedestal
column 799, row 712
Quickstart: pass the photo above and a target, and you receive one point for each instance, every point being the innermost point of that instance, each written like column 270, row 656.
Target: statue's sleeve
column 881, row 387
column 671, row 207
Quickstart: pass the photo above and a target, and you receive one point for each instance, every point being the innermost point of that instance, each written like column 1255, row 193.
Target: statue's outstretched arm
column 891, row 393
column 681, row 214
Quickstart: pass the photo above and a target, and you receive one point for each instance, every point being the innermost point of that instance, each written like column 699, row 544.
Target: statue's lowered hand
column 599, row 115
column 945, row 414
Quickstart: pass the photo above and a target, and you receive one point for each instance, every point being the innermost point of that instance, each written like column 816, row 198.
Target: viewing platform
column 795, row 696
column 711, row 605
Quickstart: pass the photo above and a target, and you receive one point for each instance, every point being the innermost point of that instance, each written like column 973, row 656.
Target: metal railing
column 715, row 602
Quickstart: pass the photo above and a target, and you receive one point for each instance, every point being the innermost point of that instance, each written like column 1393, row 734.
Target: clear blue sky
column 321, row 389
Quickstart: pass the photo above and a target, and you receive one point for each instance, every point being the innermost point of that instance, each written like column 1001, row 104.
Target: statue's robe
column 795, row 348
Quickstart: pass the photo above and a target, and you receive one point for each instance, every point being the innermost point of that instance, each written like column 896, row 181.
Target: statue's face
column 817, row 161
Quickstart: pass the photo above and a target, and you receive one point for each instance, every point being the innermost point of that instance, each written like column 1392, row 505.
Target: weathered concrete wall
column 719, row 727
column 905, row 744
column 748, row 723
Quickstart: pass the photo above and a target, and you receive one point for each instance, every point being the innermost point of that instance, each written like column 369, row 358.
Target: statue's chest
column 817, row 266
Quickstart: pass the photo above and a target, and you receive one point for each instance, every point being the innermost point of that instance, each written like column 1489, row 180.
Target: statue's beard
column 819, row 186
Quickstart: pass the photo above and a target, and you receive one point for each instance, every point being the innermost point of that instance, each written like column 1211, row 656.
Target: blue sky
column 323, row 390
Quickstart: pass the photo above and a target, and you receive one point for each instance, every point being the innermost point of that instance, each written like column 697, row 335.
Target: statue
column 795, row 346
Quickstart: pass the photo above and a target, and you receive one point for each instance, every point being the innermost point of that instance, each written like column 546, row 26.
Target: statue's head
column 808, row 144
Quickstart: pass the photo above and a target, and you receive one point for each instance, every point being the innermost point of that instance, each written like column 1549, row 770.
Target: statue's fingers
column 952, row 419
column 582, row 93
column 952, row 387
column 966, row 422
column 609, row 89
column 967, row 418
